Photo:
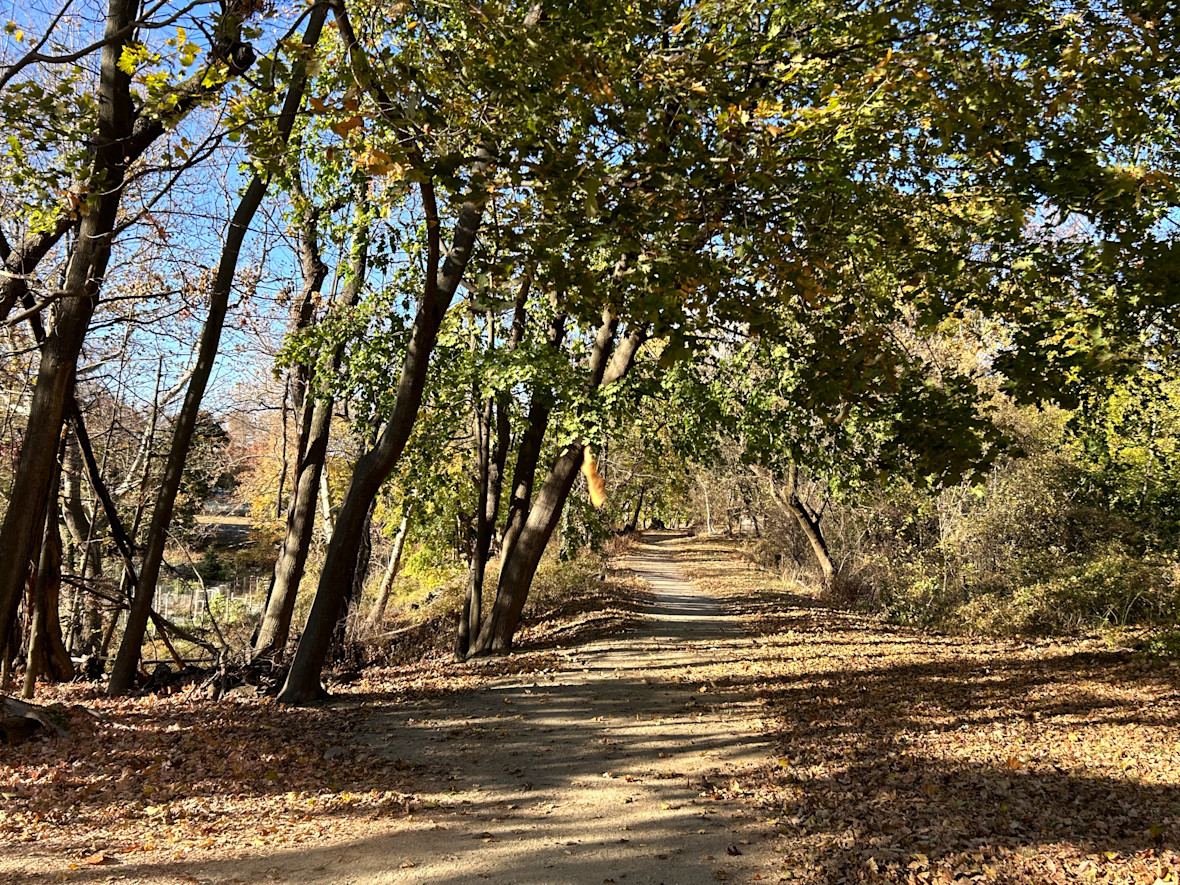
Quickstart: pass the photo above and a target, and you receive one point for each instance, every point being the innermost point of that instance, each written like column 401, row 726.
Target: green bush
column 1162, row 645
column 211, row 568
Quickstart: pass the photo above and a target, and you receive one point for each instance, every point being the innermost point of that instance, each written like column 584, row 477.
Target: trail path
column 600, row 772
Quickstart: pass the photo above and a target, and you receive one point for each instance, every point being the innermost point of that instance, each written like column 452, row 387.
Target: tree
column 127, row 661
column 122, row 131
column 316, row 408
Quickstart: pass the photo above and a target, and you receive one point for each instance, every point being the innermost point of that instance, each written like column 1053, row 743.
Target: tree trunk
column 395, row 560
column 634, row 523
column 25, row 517
column 809, row 524
column 470, row 615
column 528, row 452
column 328, row 519
column 303, row 680
column 78, row 522
column 47, row 651
column 517, row 571
column 340, row 651
column 127, row 659
column 491, row 486
column 315, row 431
column 288, row 572
column 120, row 138
column 518, row 568
column 492, row 457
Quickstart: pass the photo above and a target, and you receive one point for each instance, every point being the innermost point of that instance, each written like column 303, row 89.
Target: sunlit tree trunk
column 518, row 568
column 808, row 521
column 374, row 466
column 315, row 432
column 528, row 451
column 492, row 455
column 391, row 570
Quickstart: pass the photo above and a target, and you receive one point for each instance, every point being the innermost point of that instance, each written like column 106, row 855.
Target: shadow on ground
column 903, row 752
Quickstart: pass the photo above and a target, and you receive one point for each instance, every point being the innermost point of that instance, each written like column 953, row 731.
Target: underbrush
column 1040, row 548
column 570, row 601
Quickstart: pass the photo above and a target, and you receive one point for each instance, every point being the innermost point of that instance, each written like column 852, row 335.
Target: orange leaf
column 343, row 127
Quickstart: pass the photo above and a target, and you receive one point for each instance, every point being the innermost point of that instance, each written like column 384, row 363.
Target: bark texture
column 808, row 521
column 493, row 437
column 518, row 568
column 314, row 433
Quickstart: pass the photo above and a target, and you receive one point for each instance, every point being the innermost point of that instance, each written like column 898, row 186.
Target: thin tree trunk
column 78, row 522
column 47, row 655
column 528, row 452
column 339, row 650
column 288, row 571
column 283, row 466
column 470, row 615
column 327, row 518
column 127, row 659
column 391, row 570
column 46, row 652
column 55, row 658
column 634, row 523
column 120, row 138
column 492, row 457
column 36, row 620
column 808, row 522
column 315, row 432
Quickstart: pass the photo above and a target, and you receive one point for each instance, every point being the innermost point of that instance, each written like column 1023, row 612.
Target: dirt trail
column 609, row 768
column 603, row 771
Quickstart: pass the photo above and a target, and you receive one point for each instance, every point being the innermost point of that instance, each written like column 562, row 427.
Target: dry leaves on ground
column 908, row 757
column 177, row 773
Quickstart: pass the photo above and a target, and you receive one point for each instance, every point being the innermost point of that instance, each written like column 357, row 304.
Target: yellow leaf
column 595, row 482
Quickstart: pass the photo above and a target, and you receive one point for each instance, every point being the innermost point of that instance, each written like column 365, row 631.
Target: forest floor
column 723, row 730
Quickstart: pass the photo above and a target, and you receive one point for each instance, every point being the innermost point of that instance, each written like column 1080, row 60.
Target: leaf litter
column 899, row 756
column 909, row 757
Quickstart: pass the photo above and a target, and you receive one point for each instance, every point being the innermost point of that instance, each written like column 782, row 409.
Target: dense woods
column 312, row 312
